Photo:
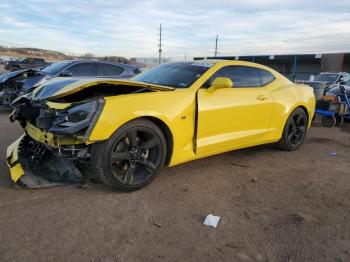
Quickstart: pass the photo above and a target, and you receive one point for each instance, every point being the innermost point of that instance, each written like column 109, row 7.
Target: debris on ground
column 157, row 225
column 332, row 154
column 83, row 186
column 211, row 220
column 254, row 179
column 237, row 164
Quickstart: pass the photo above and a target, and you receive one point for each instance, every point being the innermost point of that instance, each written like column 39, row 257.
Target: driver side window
column 241, row 76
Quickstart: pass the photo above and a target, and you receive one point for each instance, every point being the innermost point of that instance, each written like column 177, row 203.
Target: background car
column 174, row 113
column 324, row 81
column 26, row 63
column 23, row 81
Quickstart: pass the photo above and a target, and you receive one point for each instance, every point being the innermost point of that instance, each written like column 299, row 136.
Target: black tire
column 328, row 121
column 132, row 157
column 339, row 121
column 294, row 131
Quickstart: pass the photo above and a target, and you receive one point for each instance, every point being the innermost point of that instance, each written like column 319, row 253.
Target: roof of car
column 100, row 62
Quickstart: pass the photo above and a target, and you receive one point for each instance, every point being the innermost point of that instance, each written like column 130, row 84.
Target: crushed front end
column 55, row 140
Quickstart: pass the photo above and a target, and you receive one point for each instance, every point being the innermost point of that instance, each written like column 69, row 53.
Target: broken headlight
column 75, row 119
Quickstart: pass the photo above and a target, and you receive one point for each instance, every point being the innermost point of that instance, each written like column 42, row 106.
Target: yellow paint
column 16, row 170
column 49, row 138
column 59, row 106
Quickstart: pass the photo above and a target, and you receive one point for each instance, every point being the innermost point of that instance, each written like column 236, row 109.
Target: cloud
column 130, row 28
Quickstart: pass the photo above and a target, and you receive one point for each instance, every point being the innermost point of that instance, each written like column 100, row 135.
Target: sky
column 130, row 28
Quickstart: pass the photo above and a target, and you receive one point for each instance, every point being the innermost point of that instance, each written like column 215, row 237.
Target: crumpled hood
column 28, row 81
column 63, row 86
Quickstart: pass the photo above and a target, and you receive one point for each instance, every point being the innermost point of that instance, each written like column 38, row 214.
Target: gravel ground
column 274, row 206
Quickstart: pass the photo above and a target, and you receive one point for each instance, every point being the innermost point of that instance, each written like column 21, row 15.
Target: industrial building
column 297, row 66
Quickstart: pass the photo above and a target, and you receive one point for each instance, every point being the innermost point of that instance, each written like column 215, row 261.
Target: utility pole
column 185, row 56
column 160, row 43
column 216, row 45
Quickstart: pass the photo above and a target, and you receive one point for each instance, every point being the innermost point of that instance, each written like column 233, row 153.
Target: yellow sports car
column 176, row 112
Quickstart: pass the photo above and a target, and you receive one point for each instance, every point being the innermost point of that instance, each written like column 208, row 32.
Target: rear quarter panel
column 287, row 97
column 176, row 109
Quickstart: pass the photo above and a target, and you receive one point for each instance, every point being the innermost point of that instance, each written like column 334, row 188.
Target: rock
column 254, row 179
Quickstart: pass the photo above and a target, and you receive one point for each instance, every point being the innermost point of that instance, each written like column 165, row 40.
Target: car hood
column 62, row 86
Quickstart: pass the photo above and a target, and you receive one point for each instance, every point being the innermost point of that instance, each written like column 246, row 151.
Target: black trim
column 101, row 103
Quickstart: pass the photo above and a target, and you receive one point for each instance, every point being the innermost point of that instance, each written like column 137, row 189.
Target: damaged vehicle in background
column 171, row 114
column 20, row 82
column 324, row 81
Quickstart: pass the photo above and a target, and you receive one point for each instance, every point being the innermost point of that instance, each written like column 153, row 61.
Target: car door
column 233, row 117
column 83, row 70
column 109, row 70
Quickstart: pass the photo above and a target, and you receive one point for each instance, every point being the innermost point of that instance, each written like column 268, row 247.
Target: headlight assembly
column 74, row 119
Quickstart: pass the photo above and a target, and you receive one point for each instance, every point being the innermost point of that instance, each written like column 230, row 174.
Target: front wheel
column 132, row 157
column 294, row 130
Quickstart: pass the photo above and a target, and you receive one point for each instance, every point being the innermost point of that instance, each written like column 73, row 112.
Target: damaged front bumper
column 46, row 155
column 35, row 165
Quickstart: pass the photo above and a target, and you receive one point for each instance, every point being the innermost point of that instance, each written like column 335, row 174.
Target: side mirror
column 66, row 73
column 220, row 83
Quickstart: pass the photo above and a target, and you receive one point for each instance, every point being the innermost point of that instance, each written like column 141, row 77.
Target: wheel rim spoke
column 301, row 129
column 119, row 156
column 149, row 165
column 151, row 143
column 132, row 137
column 129, row 175
column 299, row 118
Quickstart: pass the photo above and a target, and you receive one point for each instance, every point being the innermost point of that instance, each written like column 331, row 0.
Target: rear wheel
column 132, row 157
column 294, row 130
column 328, row 121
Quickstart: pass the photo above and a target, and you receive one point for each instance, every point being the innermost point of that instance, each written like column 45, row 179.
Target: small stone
column 254, row 179
column 243, row 257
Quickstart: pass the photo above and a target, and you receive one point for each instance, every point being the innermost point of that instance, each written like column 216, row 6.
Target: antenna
column 160, row 44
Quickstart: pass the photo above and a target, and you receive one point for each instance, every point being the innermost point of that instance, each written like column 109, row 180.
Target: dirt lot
column 277, row 206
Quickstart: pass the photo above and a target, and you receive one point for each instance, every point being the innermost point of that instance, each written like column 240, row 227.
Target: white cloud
column 130, row 28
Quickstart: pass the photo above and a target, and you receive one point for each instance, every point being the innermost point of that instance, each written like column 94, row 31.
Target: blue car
column 21, row 82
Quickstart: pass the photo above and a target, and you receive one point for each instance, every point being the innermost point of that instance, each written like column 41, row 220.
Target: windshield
column 55, row 68
column 326, row 77
column 178, row 75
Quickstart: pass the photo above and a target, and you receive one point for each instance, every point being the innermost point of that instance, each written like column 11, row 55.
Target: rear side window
column 266, row 77
column 109, row 70
column 84, row 69
column 241, row 76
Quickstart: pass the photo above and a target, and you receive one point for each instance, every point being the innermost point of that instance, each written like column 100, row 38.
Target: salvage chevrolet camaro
column 176, row 112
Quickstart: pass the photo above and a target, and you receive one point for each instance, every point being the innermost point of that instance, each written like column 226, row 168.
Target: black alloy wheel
column 294, row 131
column 132, row 157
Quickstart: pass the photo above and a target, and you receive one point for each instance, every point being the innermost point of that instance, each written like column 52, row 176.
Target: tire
column 339, row 121
column 132, row 157
column 294, row 130
column 328, row 121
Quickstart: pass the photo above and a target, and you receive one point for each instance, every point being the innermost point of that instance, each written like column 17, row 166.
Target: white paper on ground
column 211, row 220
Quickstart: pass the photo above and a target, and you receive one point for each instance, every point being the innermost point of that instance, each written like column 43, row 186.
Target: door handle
column 261, row 97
